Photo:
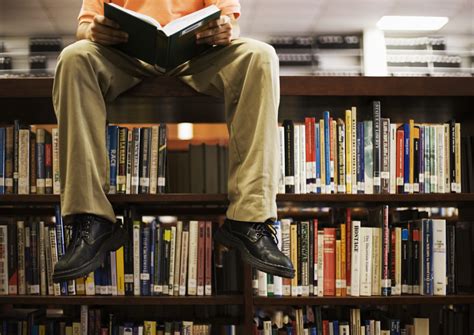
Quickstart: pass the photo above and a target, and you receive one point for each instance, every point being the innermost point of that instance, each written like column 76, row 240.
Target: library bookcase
column 424, row 99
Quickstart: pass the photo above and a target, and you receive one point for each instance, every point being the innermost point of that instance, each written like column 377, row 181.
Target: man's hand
column 218, row 32
column 105, row 31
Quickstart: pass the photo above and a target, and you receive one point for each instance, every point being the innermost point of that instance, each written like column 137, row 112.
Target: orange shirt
column 164, row 11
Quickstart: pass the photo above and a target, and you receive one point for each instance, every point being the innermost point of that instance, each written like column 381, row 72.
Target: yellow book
column 334, row 150
column 149, row 327
column 348, row 151
column 457, row 156
column 90, row 284
column 411, row 124
column 76, row 328
column 42, row 330
column 294, row 257
column 338, row 268
column 119, row 258
column 323, row 160
column 68, row 330
column 81, row 286
column 343, row 260
column 354, row 149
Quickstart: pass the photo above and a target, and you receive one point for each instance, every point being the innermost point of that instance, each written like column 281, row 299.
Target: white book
column 303, row 159
column 154, row 159
column 54, row 258
column 365, row 261
column 42, row 259
column 49, row 264
column 267, row 327
column 172, row 261
column 440, row 150
column 447, row 169
column 378, row 327
column 368, row 157
column 113, row 273
column 184, row 263
column 398, row 261
column 355, row 258
column 76, row 328
column 435, row 173
column 262, row 284
column 322, row 153
column 278, row 281
column 354, row 151
column 135, row 173
column 297, row 152
column 192, row 258
column 422, row 326
column 426, row 145
column 285, row 248
column 320, row 263
column 177, row 261
column 20, row 226
column 136, row 258
column 90, row 284
column 333, row 149
column 55, row 149
column 128, row 182
column 439, row 257
column 376, row 260
column 24, row 161
column 3, row 260
column 457, row 156
column 393, row 158
column 281, row 176
column 84, row 319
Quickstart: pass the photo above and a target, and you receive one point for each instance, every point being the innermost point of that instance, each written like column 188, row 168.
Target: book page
column 189, row 19
column 140, row 16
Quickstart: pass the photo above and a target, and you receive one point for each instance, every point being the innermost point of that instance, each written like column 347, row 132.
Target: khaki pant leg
column 87, row 76
column 246, row 73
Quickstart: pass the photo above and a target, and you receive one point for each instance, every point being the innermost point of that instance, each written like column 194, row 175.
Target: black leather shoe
column 257, row 244
column 92, row 238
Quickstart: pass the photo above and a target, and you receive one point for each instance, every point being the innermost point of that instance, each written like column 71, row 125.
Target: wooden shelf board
column 374, row 300
column 290, row 86
column 123, row 300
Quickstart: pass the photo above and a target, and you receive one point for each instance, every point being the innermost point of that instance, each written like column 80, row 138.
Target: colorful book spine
column 327, row 151
column 377, row 146
column 360, row 158
column 2, row 159
column 122, row 160
column 386, row 281
column 55, row 162
column 162, row 154
column 289, row 157
column 144, row 174
column 112, row 146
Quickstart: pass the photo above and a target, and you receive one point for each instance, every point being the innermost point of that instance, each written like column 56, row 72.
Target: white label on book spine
column 157, row 288
column 135, row 180
column 406, row 188
column 376, row 181
column 121, row 180
column 289, row 180
column 144, row 276
column 385, row 175
column 400, row 181
column 349, row 179
column 8, row 182
column 49, row 182
column 161, row 181
column 434, row 180
column 2, row 182
column 34, row 289
column 416, row 187
column 422, row 177
column 145, row 181
column 341, row 188
column 129, row 278
column 40, row 182
column 318, row 182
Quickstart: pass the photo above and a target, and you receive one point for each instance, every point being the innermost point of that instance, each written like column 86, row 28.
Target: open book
column 166, row 47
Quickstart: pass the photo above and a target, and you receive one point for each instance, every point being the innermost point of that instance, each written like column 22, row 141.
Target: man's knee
column 76, row 51
column 261, row 51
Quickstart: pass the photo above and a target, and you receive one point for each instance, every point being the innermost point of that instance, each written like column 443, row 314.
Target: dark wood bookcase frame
column 424, row 99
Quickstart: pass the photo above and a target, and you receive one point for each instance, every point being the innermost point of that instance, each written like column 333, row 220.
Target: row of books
column 29, row 159
column 336, row 155
column 91, row 322
column 159, row 259
column 314, row 320
column 369, row 258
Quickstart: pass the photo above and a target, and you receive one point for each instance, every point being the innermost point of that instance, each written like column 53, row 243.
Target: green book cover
column 166, row 47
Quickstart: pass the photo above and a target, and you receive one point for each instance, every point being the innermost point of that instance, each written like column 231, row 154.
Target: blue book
column 421, row 159
column 112, row 146
column 145, row 260
column 98, row 280
column 152, row 256
column 327, row 151
column 313, row 330
column 394, row 327
column 335, row 326
column 59, row 226
column 427, row 256
column 2, row 160
column 360, row 157
column 40, row 161
column 317, row 146
column 406, row 158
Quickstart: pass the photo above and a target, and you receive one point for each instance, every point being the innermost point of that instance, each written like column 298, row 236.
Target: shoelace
column 266, row 229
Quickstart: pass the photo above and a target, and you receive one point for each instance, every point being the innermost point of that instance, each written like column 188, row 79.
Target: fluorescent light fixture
column 185, row 131
column 412, row 22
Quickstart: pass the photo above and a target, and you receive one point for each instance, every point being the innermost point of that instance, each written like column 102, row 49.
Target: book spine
column 12, row 259
column 440, row 154
column 281, row 142
column 145, row 141
column 451, row 259
column 338, row 263
column 365, row 261
column 405, row 261
column 439, row 257
column 55, row 162
column 421, row 159
column 33, row 162
column 368, row 157
column 2, row 159
column 162, row 156
column 315, row 255
column 415, row 237
column 310, row 256
column 120, row 268
column 122, row 160
column 360, row 158
column 152, row 256
column 427, row 258
column 309, row 153
column 9, row 148
column 447, row 168
column 158, row 256
column 42, row 259
column 322, row 147
column 84, row 320
column 433, row 160
column 173, row 264
column 348, row 250
column 145, row 259
column 128, row 255
column 333, row 154
column 393, row 158
column 192, row 259
column 354, row 149
column 184, row 263
column 400, row 165
column 343, row 260
column 377, row 146
column 302, row 159
column 355, row 258
column 305, row 258
column 48, row 163
column 208, row 258
column 3, row 260
column 411, row 164
column 177, row 259
column 427, row 153
column 60, row 243
column 398, row 260
column 317, row 146
column 262, row 283
column 416, row 157
column 321, row 263
column 289, row 156
column 16, row 151
column 341, row 140
column 136, row 257
column 135, row 168
column 286, row 249
column 28, row 268
column 329, row 261
column 386, row 282
column 49, row 264
column 457, row 158
column 113, row 273
column 54, row 258
column 112, row 141
column 376, row 260
column 34, row 287
column 297, row 158
column 21, row 257
column 294, row 258
column 155, row 134
column 385, row 156
column 128, row 185
column 23, row 180
column 327, row 151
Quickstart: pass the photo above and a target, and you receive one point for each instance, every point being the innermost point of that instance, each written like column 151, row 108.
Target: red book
column 325, row 327
column 48, row 165
column 310, row 153
column 400, row 155
column 104, row 331
column 348, row 247
column 315, row 252
column 208, row 260
column 386, row 283
column 201, row 260
column 329, row 259
column 393, row 261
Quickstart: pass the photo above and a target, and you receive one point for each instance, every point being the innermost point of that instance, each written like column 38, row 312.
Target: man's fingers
column 106, row 39
column 224, row 36
column 110, row 31
column 100, row 19
column 214, row 31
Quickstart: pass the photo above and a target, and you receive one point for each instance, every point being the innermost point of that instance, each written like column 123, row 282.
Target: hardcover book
column 166, row 47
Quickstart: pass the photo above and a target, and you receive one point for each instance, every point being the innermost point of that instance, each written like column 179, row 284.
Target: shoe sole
column 229, row 240
column 114, row 242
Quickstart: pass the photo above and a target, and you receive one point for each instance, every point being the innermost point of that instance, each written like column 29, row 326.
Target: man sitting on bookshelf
column 91, row 72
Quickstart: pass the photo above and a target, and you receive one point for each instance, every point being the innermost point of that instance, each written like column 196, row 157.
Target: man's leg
column 87, row 76
column 246, row 73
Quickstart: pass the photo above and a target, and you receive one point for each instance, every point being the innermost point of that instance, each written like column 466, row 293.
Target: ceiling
column 260, row 18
